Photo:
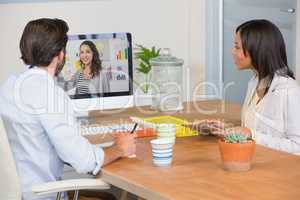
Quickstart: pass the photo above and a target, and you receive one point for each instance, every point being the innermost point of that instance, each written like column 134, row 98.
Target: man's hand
column 125, row 146
column 126, row 143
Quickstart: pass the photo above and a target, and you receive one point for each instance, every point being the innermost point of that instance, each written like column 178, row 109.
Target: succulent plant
column 235, row 138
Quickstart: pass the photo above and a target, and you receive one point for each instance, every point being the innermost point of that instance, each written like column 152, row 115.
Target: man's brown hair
column 42, row 40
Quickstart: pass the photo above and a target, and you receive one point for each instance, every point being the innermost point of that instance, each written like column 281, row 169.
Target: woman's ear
column 247, row 54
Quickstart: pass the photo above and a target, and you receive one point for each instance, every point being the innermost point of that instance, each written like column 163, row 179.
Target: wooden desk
column 196, row 171
column 191, row 111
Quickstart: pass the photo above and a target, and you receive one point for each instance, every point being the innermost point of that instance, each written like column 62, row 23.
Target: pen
column 135, row 125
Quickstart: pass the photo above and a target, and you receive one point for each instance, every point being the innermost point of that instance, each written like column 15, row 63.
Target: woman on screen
column 90, row 79
column 270, row 113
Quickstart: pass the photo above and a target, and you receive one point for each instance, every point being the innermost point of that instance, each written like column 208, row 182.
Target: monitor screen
column 97, row 65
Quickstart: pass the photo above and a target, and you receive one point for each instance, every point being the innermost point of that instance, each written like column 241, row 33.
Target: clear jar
column 166, row 82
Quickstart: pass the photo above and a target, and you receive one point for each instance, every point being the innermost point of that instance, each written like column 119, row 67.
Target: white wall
column 177, row 24
column 297, row 66
column 197, row 48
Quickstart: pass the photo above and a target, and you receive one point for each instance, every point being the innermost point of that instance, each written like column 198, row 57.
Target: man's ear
column 61, row 54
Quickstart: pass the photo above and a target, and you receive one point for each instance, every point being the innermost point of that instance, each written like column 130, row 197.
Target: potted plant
column 143, row 55
column 236, row 152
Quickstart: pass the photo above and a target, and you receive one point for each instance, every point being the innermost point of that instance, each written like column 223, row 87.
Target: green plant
column 235, row 138
column 144, row 55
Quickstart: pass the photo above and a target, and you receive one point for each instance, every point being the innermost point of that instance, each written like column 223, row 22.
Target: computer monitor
column 98, row 71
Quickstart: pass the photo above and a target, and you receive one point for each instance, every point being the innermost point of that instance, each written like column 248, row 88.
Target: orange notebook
column 146, row 132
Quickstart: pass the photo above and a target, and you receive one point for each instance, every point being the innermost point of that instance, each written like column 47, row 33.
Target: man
column 39, row 118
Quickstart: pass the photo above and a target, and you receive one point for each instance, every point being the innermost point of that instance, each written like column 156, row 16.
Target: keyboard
column 100, row 129
column 96, row 129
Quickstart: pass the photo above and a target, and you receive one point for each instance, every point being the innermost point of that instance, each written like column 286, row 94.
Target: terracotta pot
column 236, row 156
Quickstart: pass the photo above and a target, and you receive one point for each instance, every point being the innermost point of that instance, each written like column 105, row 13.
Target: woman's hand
column 213, row 126
column 126, row 143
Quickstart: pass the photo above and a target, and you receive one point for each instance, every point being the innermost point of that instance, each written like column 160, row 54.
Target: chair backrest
column 10, row 188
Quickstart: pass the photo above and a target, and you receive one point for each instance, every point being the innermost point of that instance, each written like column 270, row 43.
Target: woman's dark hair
column 42, row 40
column 96, row 62
column 264, row 43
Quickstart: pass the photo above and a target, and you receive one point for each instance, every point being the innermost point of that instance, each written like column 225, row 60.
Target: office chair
column 10, row 187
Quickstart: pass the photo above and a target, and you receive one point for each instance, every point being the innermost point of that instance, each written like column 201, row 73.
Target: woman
column 272, row 104
column 89, row 79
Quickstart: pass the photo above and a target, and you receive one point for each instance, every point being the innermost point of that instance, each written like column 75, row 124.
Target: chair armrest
column 69, row 185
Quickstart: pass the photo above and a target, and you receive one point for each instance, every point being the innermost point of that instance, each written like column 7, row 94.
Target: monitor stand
column 82, row 107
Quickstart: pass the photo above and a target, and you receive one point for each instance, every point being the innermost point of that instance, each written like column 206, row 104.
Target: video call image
column 96, row 64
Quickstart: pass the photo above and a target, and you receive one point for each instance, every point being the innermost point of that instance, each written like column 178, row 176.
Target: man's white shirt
column 42, row 130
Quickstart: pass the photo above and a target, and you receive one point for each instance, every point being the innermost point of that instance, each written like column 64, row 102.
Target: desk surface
column 191, row 111
column 196, row 171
